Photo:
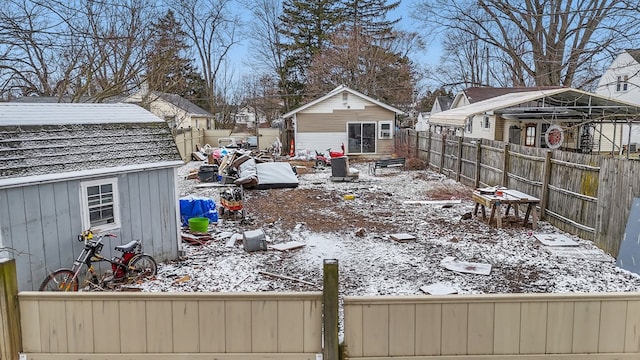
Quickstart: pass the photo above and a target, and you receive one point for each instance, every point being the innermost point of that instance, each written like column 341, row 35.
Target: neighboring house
column 621, row 81
column 177, row 111
column 440, row 104
column 344, row 116
column 250, row 117
column 555, row 117
column 66, row 168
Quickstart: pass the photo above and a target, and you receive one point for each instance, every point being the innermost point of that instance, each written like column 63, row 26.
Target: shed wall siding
column 41, row 222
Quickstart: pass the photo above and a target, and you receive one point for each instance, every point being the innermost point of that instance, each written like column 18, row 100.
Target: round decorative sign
column 554, row 137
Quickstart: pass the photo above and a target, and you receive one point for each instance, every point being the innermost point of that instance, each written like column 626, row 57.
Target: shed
column 345, row 116
column 66, row 168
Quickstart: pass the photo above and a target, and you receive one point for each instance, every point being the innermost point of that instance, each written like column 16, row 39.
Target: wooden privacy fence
column 123, row 325
column 536, row 326
column 587, row 195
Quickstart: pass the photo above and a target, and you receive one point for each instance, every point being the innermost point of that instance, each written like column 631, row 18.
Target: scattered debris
column 232, row 240
column 402, row 237
column 287, row 246
column 196, row 239
column 254, row 240
column 438, row 289
column 182, row 280
column 285, row 277
column 432, row 202
column 555, row 240
column 450, row 263
column 466, row 216
column 581, row 254
column 361, row 232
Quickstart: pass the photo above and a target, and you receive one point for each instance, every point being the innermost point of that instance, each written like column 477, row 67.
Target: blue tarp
column 191, row 206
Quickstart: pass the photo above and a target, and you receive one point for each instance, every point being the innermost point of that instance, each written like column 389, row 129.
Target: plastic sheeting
column 275, row 175
column 192, row 206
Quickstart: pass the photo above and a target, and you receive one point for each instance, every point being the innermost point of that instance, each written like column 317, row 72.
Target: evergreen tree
column 168, row 68
column 307, row 26
column 369, row 18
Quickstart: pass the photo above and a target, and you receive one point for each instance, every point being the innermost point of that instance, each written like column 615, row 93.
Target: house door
column 362, row 138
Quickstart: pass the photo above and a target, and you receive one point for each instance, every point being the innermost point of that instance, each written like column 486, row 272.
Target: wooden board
column 287, row 246
column 438, row 289
column 555, row 240
column 402, row 237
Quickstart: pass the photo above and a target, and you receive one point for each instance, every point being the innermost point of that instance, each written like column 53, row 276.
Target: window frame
column 85, row 208
column 486, row 122
column 469, row 126
column 622, row 83
column 380, row 131
column 528, row 137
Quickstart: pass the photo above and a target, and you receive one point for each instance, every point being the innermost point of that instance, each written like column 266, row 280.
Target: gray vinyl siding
column 41, row 222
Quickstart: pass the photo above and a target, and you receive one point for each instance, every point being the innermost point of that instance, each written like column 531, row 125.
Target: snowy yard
column 357, row 233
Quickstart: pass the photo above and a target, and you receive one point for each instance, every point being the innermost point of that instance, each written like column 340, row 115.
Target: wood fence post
column 330, row 309
column 417, row 145
column 443, row 148
column 478, row 159
column 459, row 170
column 505, row 166
column 546, row 177
column 429, row 148
column 10, row 332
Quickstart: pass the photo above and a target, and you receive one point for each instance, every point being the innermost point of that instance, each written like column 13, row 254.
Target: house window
column 530, row 135
column 345, row 96
column 384, row 130
column 486, row 124
column 469, row 127
column 622, row 83
column 99, row 204
column 171, row 120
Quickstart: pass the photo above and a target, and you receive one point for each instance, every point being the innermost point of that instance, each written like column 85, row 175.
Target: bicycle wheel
column 60, row 280
column 142, row 266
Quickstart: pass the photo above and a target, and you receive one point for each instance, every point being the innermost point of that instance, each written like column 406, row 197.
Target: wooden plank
column 533, row 327
column 185, row 326
column 560, row 327
column 53, row 326
column 106, row 336
column 375, row 330
column 49, row 217
column 264, row 326
column 30, row 323
column 80, row 326
column 238, row 326
column 201, row 356
column 135, row 199
column 454, row 329
column 586, row 327
column 10, row 340
column 156, row 239
column 613, row 316
column 506, row 340
column 632, row 335
column 160, row 326
column 402, row 334
column 211, row 322
column 480, row 333
column 133, row 326
column 63, row 237
column 428, row 329
column 18, row 223
column 291, row 326
column 34, row 235
column 353, row 331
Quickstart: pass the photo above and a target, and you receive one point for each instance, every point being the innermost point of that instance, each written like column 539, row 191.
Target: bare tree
column 552, row 42
column 80, row 49
column 214, row 30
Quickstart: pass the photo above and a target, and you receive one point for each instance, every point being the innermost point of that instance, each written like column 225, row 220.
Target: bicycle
column 131, row 266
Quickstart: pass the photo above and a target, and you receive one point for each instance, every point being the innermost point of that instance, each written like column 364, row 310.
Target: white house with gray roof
column 57, row 159
column 177, row 111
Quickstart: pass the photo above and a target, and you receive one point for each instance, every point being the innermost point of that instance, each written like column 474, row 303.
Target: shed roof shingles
column 45, row 149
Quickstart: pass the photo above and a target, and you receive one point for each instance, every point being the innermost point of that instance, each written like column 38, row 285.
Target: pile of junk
column 246, row 169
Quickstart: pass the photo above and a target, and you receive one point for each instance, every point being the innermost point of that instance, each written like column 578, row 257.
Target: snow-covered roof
column 554, row 100
column 60, row 139
column 338, row 90
column 74, row 113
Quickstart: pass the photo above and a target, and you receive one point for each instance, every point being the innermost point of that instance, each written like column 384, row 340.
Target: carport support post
column 330, row 310
column 10, row 333
column 505, row 166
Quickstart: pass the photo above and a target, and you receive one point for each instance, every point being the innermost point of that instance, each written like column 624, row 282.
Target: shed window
column 99, row 203
column 469, row 128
